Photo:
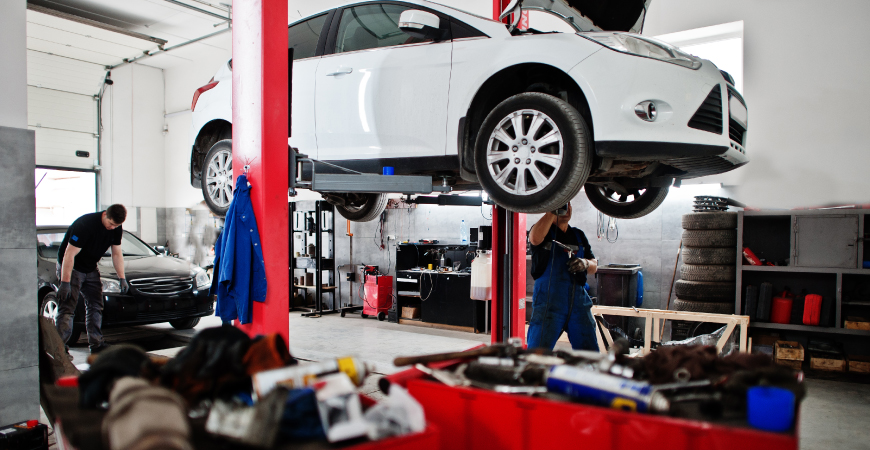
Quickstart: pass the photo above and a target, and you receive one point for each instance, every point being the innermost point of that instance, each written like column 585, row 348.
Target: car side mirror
column 161, row 249
column 421, row 24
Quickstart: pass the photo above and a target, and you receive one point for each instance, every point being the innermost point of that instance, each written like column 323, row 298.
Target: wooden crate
column 856, row 325
column 794, row 364
column 790, row 350
column 859, row 364
column 410, row 312
column 828, row 363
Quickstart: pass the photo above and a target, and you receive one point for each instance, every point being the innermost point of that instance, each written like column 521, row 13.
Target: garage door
column 62, row 110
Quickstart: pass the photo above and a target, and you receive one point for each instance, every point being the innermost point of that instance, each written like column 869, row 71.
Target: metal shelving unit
column 312, row 232
column 845, row 252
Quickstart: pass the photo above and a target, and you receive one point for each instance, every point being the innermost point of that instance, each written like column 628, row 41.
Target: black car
column 162, row 288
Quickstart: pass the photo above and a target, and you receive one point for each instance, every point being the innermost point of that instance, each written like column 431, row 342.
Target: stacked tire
column 709, row 255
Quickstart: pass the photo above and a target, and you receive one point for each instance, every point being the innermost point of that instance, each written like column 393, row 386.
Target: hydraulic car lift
column 261, row 123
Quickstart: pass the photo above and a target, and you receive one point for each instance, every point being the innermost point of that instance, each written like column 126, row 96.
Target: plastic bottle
column 305, row 374
column 463, row 233
column 481, row 276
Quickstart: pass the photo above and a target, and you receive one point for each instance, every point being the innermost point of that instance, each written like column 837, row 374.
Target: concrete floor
column 833, row 416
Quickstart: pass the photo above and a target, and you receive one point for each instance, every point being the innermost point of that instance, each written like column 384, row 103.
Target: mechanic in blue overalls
column 560, row 301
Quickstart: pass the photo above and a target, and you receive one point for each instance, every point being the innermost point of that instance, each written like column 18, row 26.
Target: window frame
column 321, row 42
column 329, row 47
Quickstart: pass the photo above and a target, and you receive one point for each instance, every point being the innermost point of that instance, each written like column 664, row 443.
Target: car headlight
column 110, row 286
column 643, row 46
column 201, row 278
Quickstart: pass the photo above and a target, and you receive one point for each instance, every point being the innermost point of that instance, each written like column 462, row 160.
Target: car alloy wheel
column 629, row 204
column 217, row 184
column 524, row 152
column 533, row 153
column 49, row 307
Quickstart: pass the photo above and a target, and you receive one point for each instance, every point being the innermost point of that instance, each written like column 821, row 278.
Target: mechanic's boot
column 103, row 345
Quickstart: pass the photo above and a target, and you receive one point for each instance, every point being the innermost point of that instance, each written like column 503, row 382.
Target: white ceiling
column 157, row 18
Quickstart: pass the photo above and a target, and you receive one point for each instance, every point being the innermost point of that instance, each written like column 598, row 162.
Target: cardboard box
column 828, row 363
column 856, row 325
column 790, row 350
column 796, row 365
column 410, row 312
column 859, row 364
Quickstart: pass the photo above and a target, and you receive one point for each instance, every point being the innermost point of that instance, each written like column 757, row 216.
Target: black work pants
column 89, row 286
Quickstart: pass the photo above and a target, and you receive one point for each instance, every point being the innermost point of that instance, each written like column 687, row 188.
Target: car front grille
column 162, row 285
column 736, row 131
column 709, row 115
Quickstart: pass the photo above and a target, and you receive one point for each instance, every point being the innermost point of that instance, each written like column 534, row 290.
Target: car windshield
column 48, row 244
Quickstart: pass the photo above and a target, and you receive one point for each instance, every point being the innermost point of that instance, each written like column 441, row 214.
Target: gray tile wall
column 651, row 241
column 19, row 361
column 191, row 233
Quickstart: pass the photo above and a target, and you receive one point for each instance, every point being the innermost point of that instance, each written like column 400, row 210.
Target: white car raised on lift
column 529, row 116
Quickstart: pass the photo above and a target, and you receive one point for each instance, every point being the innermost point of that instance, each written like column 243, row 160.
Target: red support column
column 508, row 260
column 260, row 131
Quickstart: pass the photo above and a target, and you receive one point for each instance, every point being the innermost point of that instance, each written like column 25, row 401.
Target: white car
column 529, row 116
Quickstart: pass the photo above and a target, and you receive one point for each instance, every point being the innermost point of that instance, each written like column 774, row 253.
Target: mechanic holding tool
column 561, row 260
column 85, row 242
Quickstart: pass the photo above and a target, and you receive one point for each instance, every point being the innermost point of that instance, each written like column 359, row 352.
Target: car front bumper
column 125, row 310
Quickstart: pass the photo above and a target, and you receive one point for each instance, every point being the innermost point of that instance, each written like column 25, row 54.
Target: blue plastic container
column 770, row 408
column 388, row 170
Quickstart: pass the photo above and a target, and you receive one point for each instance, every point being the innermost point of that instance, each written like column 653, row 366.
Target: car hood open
column 592, row 15
column 147, row 266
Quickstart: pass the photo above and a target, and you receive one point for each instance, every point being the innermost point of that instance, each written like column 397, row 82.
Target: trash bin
column 618, row 286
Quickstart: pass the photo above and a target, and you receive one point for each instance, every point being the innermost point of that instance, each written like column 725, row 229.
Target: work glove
column 576, row 265
column 65, row 290
column 124, row 286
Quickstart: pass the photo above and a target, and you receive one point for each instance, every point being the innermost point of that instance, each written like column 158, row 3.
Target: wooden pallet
column 653, row 319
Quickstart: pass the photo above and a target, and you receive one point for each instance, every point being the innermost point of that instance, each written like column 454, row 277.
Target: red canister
column 780, row 310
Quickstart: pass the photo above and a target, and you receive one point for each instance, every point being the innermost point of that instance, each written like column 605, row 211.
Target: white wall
column 181, row 82
column 13, row 77
column 805, row 70
column 133, row 167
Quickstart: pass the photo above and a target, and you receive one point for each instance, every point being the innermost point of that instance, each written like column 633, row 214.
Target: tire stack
column 708, row 272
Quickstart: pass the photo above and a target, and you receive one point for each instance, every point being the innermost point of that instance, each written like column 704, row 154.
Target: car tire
column 709, row 291
column 48, row 307
column 710, row 238
column 610, row 203
column 372, row 207
column 710, row 221
column 702, row 306
column 705, row 256
column 523, row 180
column 697, row 272
column 184, row 324
column 217, row 177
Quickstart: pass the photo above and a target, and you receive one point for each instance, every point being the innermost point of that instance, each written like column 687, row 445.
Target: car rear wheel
column 630, row 204
column 533, row 153
column 184, row 324
column 48, row 308
column 361, row 207
column 217, row 177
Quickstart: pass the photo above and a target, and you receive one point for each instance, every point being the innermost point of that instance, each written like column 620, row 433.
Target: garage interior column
column 260, row 131
column 19, row 370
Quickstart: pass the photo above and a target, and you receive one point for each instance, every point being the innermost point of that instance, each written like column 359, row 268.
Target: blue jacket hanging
column 240, row 270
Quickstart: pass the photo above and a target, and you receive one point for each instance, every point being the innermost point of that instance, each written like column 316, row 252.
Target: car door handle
column 340, row 72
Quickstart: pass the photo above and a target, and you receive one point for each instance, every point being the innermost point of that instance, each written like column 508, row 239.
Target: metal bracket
column 353, row 181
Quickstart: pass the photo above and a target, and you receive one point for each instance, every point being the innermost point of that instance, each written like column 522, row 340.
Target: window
column 371, row 26
column 303, row 37
column 64, row 195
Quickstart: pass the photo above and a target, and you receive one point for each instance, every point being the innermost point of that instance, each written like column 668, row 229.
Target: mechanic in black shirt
column 85, row 242
column 560, row 301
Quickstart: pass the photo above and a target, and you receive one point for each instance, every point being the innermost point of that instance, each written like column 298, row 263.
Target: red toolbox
column 478, row 419
column 378, row 296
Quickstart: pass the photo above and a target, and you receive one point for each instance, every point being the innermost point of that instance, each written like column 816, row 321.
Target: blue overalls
column 559, row 304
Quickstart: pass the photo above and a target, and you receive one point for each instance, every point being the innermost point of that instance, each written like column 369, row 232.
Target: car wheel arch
column 507, row 82
column 210, row 133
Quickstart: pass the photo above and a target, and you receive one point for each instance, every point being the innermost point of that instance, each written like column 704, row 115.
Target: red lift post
column 508, row 262
column 260, row 131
